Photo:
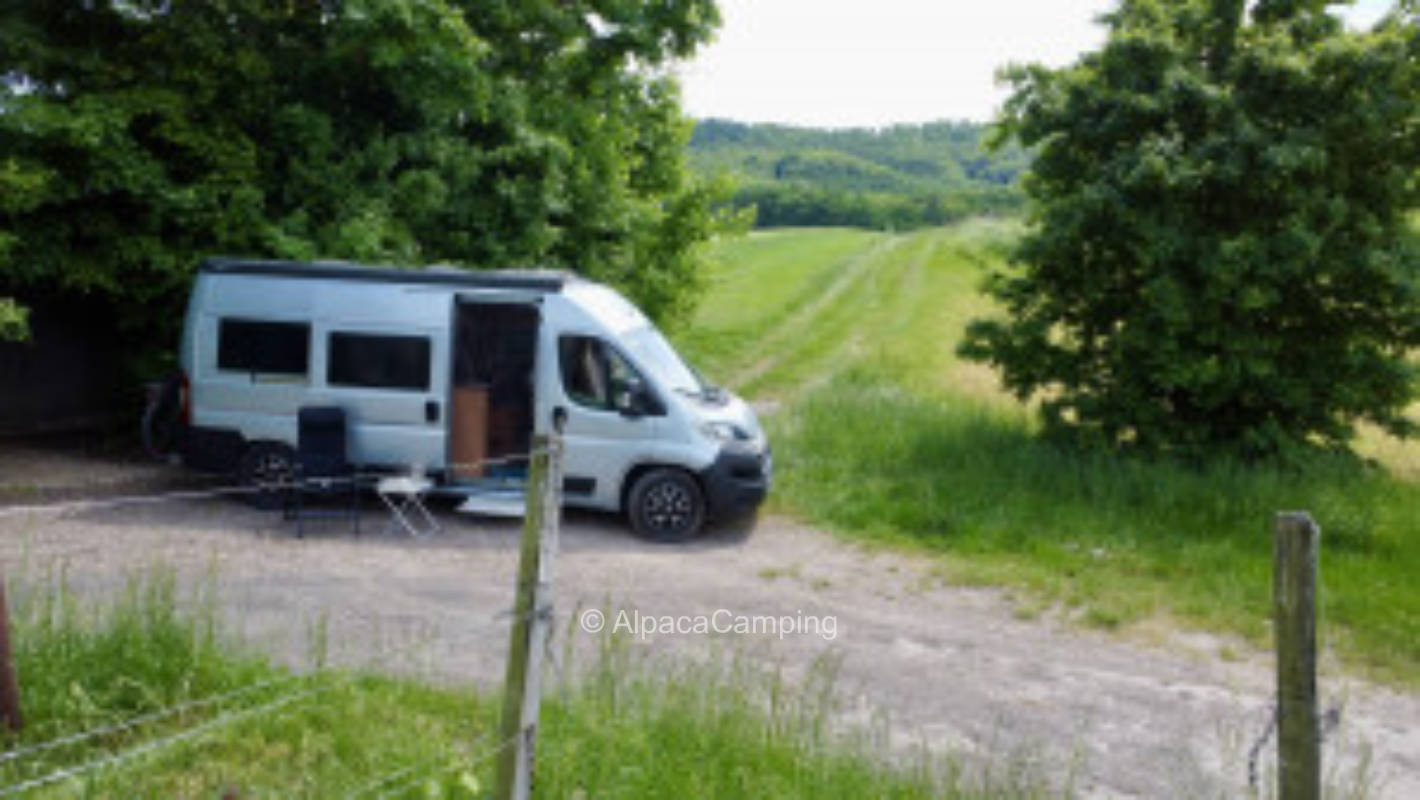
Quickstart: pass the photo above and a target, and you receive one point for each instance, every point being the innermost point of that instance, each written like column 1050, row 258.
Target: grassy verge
column 888, row 437
column 1115, row 540
column 626, row 727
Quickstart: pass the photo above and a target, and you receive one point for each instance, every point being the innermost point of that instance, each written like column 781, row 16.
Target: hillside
column 904, row 176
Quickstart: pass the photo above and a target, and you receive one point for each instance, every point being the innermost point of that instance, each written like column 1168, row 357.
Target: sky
column 870, row 63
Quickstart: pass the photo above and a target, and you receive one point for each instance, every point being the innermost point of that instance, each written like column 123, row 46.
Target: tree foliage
column 789, row 204
column 902, row 176
column 1217, row 259
column 137, row 136
column 14, row 320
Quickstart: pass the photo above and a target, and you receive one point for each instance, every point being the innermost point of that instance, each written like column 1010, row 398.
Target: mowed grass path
column 788, row 310
column 847, row 339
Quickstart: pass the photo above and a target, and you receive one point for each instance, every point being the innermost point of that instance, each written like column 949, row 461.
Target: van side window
column 592, row 371
column 258, row 346
column 378, row 361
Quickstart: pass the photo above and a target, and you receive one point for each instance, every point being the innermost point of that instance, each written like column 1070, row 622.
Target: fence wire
column 153, row 745
column 364, row 479
column 390, row 783
column 69, row 506
column 202, row 728
column 1329, row 722
column 143, row 719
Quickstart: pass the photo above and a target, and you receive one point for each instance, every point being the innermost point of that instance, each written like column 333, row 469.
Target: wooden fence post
column 9, row 686
column 532, row 622
column 1294, row 580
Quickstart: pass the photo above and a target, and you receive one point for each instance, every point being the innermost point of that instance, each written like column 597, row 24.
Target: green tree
column 1216, row 259
column 138, row 136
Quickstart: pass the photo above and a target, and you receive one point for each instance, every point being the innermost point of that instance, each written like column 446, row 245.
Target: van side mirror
column 631, row 399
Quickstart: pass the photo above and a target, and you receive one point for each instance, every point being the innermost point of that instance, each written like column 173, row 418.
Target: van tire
column 666, row 505
column 264, row 464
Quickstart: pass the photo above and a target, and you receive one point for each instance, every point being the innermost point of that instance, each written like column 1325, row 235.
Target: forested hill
column 903, row 176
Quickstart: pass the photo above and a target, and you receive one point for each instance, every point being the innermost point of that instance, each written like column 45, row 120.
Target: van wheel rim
column 271, row 468
column 669, row 507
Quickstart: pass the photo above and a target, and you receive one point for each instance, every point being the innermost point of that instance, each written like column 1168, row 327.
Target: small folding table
column 404, row 496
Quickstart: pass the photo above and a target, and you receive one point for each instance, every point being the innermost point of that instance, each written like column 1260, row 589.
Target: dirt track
column 953, row 667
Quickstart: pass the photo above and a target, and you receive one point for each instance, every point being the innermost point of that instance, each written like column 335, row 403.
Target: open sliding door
column 492, row 391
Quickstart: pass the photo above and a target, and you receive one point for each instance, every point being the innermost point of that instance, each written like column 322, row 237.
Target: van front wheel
column 666, row 505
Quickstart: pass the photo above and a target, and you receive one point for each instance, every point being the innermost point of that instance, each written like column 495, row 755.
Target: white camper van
column 453, row 371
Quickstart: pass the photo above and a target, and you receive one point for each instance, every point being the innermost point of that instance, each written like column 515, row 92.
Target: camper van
column 451, row 372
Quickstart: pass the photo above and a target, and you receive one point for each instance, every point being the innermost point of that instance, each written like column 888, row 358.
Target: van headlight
column 726, row 432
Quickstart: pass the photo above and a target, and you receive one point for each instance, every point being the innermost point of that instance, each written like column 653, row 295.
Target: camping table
column 404, row 496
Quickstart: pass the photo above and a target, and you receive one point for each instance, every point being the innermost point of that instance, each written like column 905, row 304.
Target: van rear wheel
column 666, row 505
column 266, row 466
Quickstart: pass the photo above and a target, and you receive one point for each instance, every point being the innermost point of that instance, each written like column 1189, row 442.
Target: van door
column 492, row 390
column 604, row 439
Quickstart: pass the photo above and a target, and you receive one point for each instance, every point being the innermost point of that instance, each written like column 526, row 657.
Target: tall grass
column 646, row 727
column 624, row 726
column 84, row 666
column 1118, row 539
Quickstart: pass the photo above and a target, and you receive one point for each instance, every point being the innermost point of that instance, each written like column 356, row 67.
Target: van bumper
column 737, row 482
column 217, row 450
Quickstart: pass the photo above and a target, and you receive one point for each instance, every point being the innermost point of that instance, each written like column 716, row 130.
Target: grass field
column 120, row 705
column 880, row 432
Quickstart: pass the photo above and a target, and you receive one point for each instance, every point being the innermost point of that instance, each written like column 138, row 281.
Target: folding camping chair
column 322, row 471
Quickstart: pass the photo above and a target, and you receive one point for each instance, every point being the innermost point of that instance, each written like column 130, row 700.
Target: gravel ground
column 950, row 667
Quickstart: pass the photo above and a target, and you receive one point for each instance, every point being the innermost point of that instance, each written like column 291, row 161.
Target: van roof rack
column 543, row 280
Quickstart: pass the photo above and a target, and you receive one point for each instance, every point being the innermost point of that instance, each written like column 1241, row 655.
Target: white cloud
column 838, row 63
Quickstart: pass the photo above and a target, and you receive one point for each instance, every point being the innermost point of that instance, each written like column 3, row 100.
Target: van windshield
column 655, row 355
